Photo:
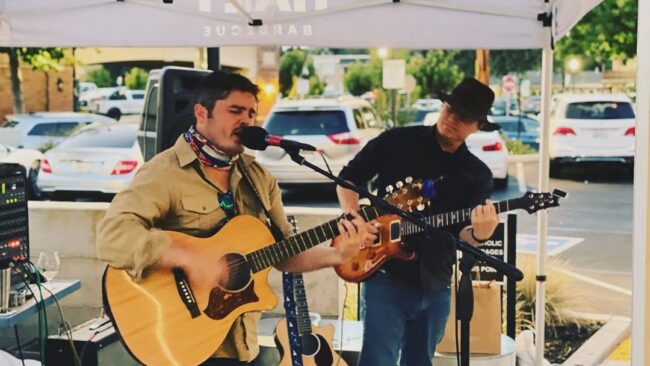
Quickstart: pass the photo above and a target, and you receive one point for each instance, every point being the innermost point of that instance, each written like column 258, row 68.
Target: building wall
column 36, row 87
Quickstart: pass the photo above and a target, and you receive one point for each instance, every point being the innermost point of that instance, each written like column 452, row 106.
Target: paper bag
column 485, row 327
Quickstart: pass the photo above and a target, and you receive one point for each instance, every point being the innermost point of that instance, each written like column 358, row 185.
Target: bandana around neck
column 207, row 152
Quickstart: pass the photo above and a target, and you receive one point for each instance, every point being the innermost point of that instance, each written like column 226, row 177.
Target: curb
column 596, row 349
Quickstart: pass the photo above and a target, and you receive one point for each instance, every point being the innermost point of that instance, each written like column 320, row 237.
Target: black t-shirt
column 415, row 152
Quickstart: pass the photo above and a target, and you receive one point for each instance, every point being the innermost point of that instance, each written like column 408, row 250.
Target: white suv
column 592, row 127
column 338, row 128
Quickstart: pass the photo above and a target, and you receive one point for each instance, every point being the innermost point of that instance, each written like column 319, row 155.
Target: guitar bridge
column 185, row 292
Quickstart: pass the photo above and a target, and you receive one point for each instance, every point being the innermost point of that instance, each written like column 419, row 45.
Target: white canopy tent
column 416, row 24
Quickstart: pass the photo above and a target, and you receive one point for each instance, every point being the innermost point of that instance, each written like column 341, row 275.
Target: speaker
column 176, row 101
column 97, row 343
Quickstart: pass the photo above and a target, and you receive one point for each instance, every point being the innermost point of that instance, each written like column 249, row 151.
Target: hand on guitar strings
column 484, row 221
column 354, row 233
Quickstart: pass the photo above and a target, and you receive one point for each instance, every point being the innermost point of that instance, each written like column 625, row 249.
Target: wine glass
column 49, row 263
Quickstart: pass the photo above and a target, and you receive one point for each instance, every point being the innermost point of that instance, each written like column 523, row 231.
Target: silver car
column 97, row 159
column 338, row 128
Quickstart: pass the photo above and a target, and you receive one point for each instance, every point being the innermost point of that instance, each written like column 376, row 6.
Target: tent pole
column 543, row 186
column 641, row 246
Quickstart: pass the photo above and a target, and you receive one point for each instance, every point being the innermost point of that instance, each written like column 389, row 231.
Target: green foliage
column 136, row 78
column 358, row 79
column 292, row 63
column 606, row 33
column 100, row 76
column 435, row 71
column 316, row 85
column 503, row 62
column 516, row 147
column 563, row 299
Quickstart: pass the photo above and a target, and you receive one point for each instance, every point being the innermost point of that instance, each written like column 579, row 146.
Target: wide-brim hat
column 472, row 99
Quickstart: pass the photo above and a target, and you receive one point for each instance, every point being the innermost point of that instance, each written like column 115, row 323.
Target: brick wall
column 35, row 90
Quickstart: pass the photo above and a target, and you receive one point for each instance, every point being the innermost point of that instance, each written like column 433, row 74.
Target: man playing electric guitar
column 406, row 303
column 197, row 186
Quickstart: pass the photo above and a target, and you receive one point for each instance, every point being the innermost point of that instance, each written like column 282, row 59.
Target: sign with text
column 495, row 247
column 394, row 74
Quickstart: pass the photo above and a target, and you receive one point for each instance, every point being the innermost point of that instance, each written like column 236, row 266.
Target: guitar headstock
column 533, row 201
column 407, row 195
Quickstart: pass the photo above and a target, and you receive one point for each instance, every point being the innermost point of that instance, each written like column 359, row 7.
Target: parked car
column 99, row 159
column 491, row 149
column 42, row 130
column 339, row 128
column 86, row 86
column 87, row 98
column 592, row 127
column 520, row 128
column 431, row 104
column 532, row 105
column 505, row 107
column 120, row 102
column 30, row 159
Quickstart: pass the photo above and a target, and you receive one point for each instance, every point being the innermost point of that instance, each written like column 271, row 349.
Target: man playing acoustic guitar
column 406, row 303
column 196, row 187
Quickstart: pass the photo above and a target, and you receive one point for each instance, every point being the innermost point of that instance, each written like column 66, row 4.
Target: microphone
column 257, row 138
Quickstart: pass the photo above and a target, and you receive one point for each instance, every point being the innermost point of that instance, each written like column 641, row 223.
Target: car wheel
column 501, row 183
column 114, row 113
column 33, row 192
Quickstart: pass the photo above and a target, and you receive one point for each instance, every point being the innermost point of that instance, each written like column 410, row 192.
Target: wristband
column 480, row 241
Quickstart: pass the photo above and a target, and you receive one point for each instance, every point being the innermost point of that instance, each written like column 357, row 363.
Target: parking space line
column 594, row 282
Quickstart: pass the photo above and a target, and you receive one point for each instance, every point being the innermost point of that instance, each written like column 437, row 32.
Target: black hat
column 473, row 99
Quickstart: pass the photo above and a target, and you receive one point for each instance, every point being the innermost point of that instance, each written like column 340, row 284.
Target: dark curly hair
column 219, row 84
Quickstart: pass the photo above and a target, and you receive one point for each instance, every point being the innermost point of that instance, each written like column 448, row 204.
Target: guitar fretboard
column 447, row 219
column 285, row 249
column 302, row 310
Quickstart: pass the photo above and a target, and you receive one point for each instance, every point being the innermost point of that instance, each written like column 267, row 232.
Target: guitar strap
column 295, row 345
column 277, row 233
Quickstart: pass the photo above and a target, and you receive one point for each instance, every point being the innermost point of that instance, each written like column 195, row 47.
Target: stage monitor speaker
column 97, row 344
column 176, row 101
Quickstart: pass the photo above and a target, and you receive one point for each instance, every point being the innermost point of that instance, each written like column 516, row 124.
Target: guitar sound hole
column 239, row 273
column 310, row 344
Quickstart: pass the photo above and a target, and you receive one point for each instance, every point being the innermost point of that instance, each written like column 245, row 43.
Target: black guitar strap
column 275, row 230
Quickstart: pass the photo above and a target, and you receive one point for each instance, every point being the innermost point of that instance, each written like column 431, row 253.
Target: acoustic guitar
column 165, row 320
column 316, row 341
column 408, row 196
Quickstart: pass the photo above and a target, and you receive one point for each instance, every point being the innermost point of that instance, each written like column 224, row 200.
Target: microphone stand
column 465, row 305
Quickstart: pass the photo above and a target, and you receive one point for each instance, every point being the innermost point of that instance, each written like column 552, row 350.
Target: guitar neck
column 302, row 310
column 296, row 244
column 450, row 218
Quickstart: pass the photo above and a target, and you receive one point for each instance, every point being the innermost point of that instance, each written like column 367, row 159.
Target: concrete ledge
column 596, row 349
column 523, row 158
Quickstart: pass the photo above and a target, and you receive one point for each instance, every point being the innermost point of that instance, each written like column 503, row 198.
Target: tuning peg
column 404, row 190
column 409, row 202
column 394, row 195
column 389, row 188
column 399, row 205
column 408, row 180
column 420, row 207
column 399, row 184
column 420, row 199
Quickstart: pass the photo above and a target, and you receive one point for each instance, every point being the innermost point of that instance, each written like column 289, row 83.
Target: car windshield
column 599, row 110
column 111, row 137
column 307, row 123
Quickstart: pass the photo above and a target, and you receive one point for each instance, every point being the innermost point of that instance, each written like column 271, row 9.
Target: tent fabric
column 415, row 24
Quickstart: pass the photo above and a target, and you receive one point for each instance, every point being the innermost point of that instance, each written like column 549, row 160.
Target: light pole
column 573, row 66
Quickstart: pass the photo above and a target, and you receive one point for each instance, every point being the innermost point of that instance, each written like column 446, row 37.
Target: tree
column 136, row 78
column 292, row 63
column 435, row 71
column 358, row 79
column 503, row 62
column 41, row 59
column 101, row 77
column 606, row 33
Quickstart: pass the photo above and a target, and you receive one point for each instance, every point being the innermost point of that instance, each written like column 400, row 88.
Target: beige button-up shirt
column 171, row 192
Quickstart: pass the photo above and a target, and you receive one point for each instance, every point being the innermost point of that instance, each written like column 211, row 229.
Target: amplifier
column 14, row 227
column 96, row 342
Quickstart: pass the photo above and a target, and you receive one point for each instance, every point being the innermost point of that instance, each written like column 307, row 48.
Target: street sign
column 394, row 74
column 509, row 83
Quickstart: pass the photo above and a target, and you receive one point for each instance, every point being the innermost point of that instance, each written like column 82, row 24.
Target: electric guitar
column 316, row 342
column 408, row 197
column 163, row 319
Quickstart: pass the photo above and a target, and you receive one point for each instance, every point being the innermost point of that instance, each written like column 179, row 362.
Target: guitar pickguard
column 222, row 303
